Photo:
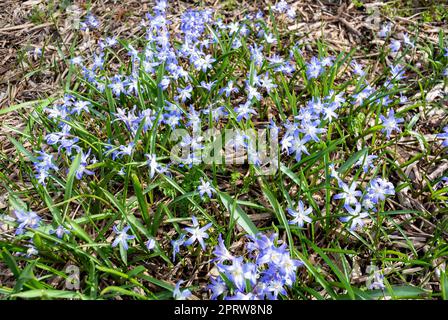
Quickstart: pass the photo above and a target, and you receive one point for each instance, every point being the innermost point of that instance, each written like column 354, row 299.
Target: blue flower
column 357, row 69
column 82, row 169
column 111, row 41
column 244, row 111
column 315, row 106
column 181, row 295
column 355, row 218
column 150, row 244
column 298, row 146
column 45, row 161
column 164, row 83
column 221, row 252
column 76, row 60
column 31, row 251
column 122, row 237
column 176, row 244
column 218, row 287
column 266, row 274
column 300, row 215
column 194, row 119
column 368, row 203
column 407, row 40
column 252, row 92
column 161, row 5
column 229, row 89
column 204, row 63
column 390, row 123
column 235, row 273
column 327, row 61
column 60, row 231
column 378, row 281
column 80, row 106
column 184, row 93
column 287, row 267
column 266, row 82
column 205, row 188
column 403, row 98
column 26, row 219
column 281, row 6
column 366, row 162
column 379, row 189
column 349, row 194
column 364, row 94
column 69, row 145
column 385, row 30
column 90, row 21
column 207, row 85
column 275, row 287
column 233, row 27
column 395, row 45
column 197, row 233
column 256, row 54
column 311, row 129
column 270, row 38
column 148, row 117
column 118, row 85
column 314, row 68
column 444, row 137
column 153, row 165
column 43, row 166
column 124, row 150
column 172, row 119
column 98, row 61
column 329, row 111
column 397, row 72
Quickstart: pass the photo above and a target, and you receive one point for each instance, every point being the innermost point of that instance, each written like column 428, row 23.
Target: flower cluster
column 357, row 203
column 309, row 124
column 188, row 76
column 265, row 274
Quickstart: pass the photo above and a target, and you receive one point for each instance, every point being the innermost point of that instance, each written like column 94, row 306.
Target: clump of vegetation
column 218, row 151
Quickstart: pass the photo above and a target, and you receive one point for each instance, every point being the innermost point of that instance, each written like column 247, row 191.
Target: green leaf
column 400, row 292
column 122, row 291
column 238, row 214
column 352, row 160
column 195, row 204
column 344, row 280
column 157, row 282
column 279, row 212
column 10, row 262
column 22, row 149
column 141, row 199
column 71, row 177
column 43, row 103
column 444, row 284
column 48, row 293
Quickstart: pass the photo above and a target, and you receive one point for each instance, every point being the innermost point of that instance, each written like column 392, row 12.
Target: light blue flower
column 197, row 233
column 181, row 295
column 122, row 237
column 300, row 215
